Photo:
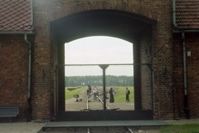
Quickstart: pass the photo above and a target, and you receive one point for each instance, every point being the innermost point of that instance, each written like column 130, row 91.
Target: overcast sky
column 98, row 50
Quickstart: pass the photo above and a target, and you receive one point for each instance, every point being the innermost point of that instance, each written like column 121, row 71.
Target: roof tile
column 15, row 15
column 187, row 14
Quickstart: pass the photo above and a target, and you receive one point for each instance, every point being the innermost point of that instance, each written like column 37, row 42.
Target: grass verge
column 187, row 128
column 120, row 94
column 73, row 91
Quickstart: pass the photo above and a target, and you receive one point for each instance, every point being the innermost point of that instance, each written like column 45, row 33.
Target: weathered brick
column 158, row 46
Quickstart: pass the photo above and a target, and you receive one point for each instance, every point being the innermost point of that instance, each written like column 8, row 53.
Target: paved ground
column 20, row 127
column 33, row 127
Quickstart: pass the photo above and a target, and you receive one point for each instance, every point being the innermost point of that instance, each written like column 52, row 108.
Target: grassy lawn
column 188, row 128
column 73, row 91
column 120, row 94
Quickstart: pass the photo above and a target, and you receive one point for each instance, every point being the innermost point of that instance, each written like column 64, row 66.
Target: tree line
column 98, row 80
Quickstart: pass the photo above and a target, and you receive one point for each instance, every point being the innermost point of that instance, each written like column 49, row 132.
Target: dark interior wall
column 137, row 74
column 14, row 72
column 61, row 77
column 55, row 72
column 146, row 43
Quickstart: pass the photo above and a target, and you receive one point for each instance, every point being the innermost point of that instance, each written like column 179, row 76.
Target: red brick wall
column 14, row 72
column 178, row 85
column 46, row 11
column 146, row 70
column 191, row 41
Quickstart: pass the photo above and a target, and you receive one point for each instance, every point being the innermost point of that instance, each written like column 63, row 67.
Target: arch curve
column 120, row 24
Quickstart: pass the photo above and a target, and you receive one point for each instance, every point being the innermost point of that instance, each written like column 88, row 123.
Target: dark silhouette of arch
column 120, row 24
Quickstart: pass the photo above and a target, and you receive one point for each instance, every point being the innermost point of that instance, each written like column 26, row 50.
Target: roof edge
column 16, row 32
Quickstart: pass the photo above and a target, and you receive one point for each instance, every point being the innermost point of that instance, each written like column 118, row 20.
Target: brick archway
column 128, row 26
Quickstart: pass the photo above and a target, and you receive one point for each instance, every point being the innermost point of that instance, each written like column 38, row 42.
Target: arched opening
column 130, row 27
column 83, row 58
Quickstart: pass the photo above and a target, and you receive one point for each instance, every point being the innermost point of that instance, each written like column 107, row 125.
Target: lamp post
column 104, row 83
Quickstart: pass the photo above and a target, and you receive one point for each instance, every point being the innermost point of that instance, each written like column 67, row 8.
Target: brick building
column 165, row 37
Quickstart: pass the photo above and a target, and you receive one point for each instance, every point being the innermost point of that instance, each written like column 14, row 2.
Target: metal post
column 186, row 110
column 29, row 76
column 104, row 83
column 174, row 14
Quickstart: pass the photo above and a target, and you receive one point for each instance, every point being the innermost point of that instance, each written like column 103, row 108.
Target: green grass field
column 120, row 94
column 188, row 128
column 70, row 93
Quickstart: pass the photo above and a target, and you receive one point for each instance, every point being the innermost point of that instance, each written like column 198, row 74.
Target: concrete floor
column 34, row 127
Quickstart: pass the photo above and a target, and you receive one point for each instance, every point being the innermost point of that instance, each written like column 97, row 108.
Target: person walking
column 88, row 92
column 111, row 100
column 127, row 95
column 95, row 92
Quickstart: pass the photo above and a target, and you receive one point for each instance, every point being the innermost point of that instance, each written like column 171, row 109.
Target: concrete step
column 101, row 126
column 103, row 130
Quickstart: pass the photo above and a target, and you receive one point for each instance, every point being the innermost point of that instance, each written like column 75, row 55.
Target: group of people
column 111, row 93
column 90, row 91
